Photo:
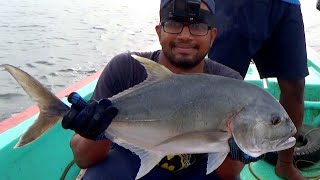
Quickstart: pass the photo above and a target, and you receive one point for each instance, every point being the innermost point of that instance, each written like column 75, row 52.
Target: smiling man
column 186, row 32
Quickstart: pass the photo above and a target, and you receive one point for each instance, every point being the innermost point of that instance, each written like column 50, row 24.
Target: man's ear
column 213, row 32
column 158, row 30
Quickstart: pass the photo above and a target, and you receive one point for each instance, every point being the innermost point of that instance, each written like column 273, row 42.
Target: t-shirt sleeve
column 216, row 68
column 121, row 73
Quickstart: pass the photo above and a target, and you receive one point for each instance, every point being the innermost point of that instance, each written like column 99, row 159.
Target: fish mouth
column 282, row 145
column 287, row 143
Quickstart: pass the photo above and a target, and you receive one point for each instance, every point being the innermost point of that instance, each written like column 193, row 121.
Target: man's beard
column 184, row 63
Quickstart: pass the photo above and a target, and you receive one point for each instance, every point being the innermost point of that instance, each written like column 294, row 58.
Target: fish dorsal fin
column 154, row 70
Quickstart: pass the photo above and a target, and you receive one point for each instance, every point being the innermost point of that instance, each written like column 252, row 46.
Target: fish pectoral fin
column 149, row 159
column 196, row 142
column 215, row 160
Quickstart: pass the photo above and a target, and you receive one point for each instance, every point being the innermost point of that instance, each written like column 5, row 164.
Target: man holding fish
column 168, row 114
column 186, row 32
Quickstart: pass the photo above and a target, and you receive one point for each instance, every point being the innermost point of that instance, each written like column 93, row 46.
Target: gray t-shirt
column 123, row 72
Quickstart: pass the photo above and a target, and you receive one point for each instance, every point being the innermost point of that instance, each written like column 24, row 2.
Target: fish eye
column 275, row 120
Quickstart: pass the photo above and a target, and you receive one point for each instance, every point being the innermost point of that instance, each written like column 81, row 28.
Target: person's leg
column 229, row 169
column 284, row 56
column 119, row 164
column 232, row 46
column 229, row 50
column 239, row 41
column 157, row 173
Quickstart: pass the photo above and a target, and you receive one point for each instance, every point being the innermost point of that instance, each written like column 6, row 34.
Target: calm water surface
column 59, row 42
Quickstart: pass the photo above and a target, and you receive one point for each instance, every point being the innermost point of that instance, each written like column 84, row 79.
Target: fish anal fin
column 215, row 160
column 149, row 159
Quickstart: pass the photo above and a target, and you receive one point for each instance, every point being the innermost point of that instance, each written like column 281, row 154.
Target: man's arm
column 121, row 73
column 87, row 152
column 292, row 99
column 89, row 120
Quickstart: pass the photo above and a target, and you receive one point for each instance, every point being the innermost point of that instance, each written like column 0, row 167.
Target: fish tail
column 51, row 107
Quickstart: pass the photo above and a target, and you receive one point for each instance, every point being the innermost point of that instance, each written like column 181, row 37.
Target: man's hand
column 90, row 119
column 237, row 154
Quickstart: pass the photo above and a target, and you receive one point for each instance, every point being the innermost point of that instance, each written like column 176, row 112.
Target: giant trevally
column 170, row 114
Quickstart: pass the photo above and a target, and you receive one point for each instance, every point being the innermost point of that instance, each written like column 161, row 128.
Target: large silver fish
column 171, row 114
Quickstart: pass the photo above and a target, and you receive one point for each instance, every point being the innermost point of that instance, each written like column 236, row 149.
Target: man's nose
column 185, row 33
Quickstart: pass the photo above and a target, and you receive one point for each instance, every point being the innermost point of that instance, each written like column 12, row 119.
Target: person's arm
column 87, row 152
column 292, row 99
column 116, row 77
column 88, row 120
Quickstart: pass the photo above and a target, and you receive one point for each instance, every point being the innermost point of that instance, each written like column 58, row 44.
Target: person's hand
column 89, row 119
column 237, row 154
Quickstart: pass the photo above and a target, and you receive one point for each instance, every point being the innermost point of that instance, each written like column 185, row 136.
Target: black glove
column 89, row 119
column 237, row 154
